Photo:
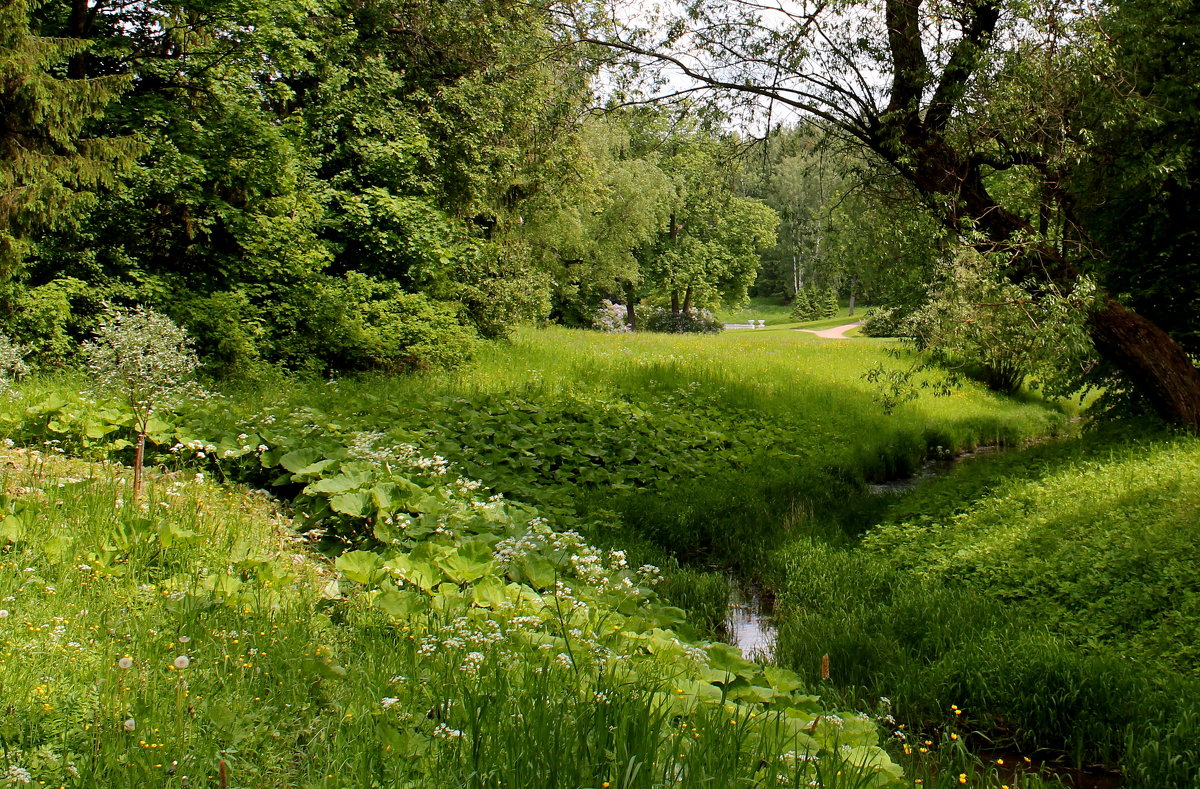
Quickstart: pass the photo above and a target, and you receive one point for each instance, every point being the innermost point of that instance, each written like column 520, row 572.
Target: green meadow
column 517, row 574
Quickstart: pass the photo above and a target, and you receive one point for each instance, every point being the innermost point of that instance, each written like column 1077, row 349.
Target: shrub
column 830, row 306
column 12, row 362
column 360, row 323
column 228, row 330
column 883, row 322
column 802, row 308
column 45, row 321
column 610, row 317
column 698, row 321
column 147, row 361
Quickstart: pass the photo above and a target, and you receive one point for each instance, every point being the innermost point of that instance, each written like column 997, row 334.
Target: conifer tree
column 830, row 307
column 802, row 306
column 47, row 164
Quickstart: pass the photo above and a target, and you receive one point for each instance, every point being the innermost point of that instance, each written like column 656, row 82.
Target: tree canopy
column 986, row 108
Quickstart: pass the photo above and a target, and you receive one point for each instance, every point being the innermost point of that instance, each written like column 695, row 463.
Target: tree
column 48, row 162
column 709, row 250
column 147, row 362
column 590, row 238
column 971, row 103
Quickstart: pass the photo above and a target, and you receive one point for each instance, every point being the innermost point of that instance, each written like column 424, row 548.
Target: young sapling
column 147, row 361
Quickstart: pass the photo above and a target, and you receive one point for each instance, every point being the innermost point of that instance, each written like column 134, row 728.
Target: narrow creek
column 749, row 622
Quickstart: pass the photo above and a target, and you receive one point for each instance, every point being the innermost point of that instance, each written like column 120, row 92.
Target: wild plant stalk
column 143, row 358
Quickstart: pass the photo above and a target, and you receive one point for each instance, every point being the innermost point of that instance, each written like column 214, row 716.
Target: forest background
column 338, row 186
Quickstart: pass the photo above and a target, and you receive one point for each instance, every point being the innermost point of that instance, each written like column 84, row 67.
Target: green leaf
column 361, row 566
column 340, row 483
column 490, row 592
column 11, row 529
column 400, row 605
column 782, row 680
column 536, row 570
column 725, row 657
column 416, row 569
column 171, row 535
column 872, row 759
column 469, row 563
column 390, row 495
column 357, row 503
column 299, row 459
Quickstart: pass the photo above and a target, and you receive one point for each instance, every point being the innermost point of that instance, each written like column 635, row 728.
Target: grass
column 192, row 640
column 1046, row 593
column 778, row 314
column 686, row 451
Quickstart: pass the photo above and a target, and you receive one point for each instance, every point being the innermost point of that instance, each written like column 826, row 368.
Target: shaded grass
column 1046, row 593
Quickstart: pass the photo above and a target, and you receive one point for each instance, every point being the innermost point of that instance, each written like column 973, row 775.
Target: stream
column 749, row 623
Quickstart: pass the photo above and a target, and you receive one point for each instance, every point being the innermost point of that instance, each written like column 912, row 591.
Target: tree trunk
column 139, row 456
column 79, row 26
column 687, row 300
column 675, row 302
column 1152, row 360
column 853, row 282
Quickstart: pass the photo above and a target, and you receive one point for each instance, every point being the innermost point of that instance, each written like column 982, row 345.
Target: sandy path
column 836, row 333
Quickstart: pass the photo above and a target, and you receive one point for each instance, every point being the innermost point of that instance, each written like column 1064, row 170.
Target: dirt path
column 836, row 333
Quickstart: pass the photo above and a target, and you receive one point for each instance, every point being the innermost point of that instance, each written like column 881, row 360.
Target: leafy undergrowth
column 464, row 634
column 1050, row 594
column 188, row 639
column 710, row 447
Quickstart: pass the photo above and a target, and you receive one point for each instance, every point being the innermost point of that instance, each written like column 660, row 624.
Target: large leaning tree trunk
column 912, row 137
column 909, row 107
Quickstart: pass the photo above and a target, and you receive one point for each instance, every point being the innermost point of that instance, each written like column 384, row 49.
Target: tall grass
column 286, row 683
column 1044, row 593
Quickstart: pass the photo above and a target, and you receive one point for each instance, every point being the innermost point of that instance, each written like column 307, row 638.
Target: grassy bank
column 428, row 631
column 1050, row 594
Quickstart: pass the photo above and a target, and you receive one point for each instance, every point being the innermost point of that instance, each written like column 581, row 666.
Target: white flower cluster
column 18, row 775
column 372, row 447
column 12, row 362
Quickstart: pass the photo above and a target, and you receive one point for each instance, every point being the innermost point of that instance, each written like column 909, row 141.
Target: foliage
column 290, row 145
column 356, row 322
column 883, row 322
column 610, row 317
column 47, row 161
column 1138, row 185
column 143, row 359
column 811, row 304
column 482, row 599
column 697, row 321
column 13, row 366
column 982, row 116
column 975, row 321
column 147, row 362
column 802, row 307
column 1039, row 591
column 705, row 443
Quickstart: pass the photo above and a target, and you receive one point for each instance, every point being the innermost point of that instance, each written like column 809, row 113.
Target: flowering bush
column 147, row 361
column 12, row 362
column 699, row 321
column 610, row 317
